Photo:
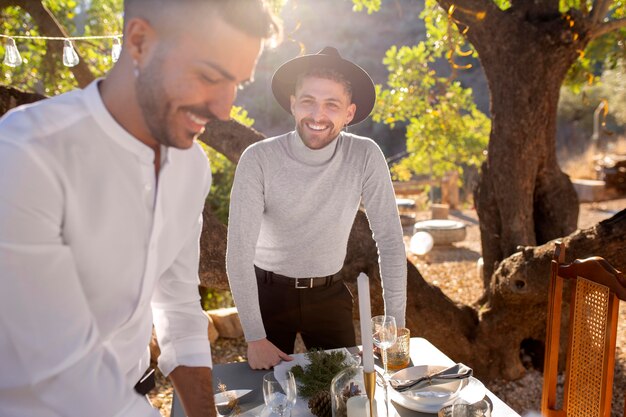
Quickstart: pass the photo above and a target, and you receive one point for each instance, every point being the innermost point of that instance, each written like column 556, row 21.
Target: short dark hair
column 253, row 17
column 327, row 74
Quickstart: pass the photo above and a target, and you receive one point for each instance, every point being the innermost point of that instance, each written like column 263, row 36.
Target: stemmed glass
column 384, row 331
column 279, row 395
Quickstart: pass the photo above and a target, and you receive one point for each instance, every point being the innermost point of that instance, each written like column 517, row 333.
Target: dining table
column 239, row 376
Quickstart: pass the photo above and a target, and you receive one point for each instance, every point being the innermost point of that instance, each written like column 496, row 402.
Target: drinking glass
column 279, row 395
column 384, row 332
column 399, row 354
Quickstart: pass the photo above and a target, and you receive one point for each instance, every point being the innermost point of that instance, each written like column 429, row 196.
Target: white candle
column 365, row 315
column 358, row 406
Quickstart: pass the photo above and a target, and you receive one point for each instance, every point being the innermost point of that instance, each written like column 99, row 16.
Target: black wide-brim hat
column 363, row 90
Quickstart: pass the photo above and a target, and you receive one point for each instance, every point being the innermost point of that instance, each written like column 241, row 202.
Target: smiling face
column 321, row 108
column 186, row 82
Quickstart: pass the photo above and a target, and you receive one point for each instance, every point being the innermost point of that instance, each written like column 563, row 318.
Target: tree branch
column 599, row 10
column 49, row 26
column 469, row 12
column 605, row 28
column 11, row 97
column 230, row 138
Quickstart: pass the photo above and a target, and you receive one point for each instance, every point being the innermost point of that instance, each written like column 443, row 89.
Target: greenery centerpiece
column 314, row 379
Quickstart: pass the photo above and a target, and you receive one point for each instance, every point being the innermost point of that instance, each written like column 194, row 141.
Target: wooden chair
column 595, row 293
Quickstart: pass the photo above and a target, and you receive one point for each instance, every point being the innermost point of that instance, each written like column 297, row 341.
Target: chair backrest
column 596, row 290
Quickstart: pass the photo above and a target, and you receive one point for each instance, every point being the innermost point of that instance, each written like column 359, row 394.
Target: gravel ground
column 453, row 269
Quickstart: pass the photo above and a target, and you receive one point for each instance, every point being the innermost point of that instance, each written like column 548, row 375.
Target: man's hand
column 262, row 354
column 195, row 391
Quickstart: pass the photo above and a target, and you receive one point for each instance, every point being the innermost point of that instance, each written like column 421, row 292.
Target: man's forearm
column 194, row 388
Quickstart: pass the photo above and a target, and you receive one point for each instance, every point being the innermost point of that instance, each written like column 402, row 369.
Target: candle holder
column 370, row 389
column 350, row 393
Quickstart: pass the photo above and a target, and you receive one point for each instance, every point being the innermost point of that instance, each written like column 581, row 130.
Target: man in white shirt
column 101, row 197
column 293, row 202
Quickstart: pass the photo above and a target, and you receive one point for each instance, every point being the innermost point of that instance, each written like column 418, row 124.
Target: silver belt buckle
column 302, row 287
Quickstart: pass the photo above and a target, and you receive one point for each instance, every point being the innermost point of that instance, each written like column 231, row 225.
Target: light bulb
column 12, row 56
column 116, row 49
column 70, row 57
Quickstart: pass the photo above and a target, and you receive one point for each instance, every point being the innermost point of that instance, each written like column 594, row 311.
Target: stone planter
column 444, row 232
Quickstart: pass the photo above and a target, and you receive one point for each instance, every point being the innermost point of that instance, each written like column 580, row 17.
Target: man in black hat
column 293, row 203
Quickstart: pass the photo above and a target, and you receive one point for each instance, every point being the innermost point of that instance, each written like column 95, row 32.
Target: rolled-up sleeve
column 181, row 325
column 51, row 352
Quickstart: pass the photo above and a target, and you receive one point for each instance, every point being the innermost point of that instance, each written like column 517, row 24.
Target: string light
column 12, row 56
column 70, row 57
column 116, row 49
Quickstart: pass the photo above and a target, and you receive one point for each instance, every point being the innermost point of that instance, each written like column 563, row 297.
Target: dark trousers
column 322, row 315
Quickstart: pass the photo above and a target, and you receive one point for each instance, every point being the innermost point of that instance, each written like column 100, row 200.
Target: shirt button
column 147, row 187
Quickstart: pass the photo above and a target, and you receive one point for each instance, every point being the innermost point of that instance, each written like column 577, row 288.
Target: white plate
column 431, row 400
column 429, row 395
column 223, row 398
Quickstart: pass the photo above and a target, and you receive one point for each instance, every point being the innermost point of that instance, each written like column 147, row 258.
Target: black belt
column 270, row 277
column 147, row 382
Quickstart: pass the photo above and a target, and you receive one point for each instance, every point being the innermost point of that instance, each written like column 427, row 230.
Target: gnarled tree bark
column 489, row 337
column 523, row 198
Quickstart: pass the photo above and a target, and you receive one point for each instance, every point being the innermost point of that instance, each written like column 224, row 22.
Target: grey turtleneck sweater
column 291, row 212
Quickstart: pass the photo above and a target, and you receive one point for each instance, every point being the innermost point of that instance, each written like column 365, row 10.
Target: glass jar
column 348, row 394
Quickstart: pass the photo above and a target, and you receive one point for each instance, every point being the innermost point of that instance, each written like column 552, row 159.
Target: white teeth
column 197, row 119
column 316, row 126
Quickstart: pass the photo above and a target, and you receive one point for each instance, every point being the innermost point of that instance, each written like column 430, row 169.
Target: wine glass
column 384, row 331
column 279, row 394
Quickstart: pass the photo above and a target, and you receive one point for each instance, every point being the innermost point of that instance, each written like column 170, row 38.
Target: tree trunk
column 429, row 313
column 231, row 139
column 519, row 293
column 522, row 197
column 491, row 338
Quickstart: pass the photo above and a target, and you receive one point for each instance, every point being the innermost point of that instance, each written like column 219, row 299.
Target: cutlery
column 458, row 371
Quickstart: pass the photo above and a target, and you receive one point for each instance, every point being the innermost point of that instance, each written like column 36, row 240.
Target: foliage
column 42, row 70
column 370, row 5
column 604, row 52
column 445, row 131
column 212, row 299
column 317, row 375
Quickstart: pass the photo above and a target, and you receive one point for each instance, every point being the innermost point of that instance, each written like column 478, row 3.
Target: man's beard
column 156, row 105
column 153, row 100
column 306, row 134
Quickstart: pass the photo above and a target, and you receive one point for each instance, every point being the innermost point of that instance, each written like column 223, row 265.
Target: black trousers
column 322, row 315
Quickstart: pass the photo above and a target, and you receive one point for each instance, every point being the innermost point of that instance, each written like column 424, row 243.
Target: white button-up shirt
column 92, row 251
